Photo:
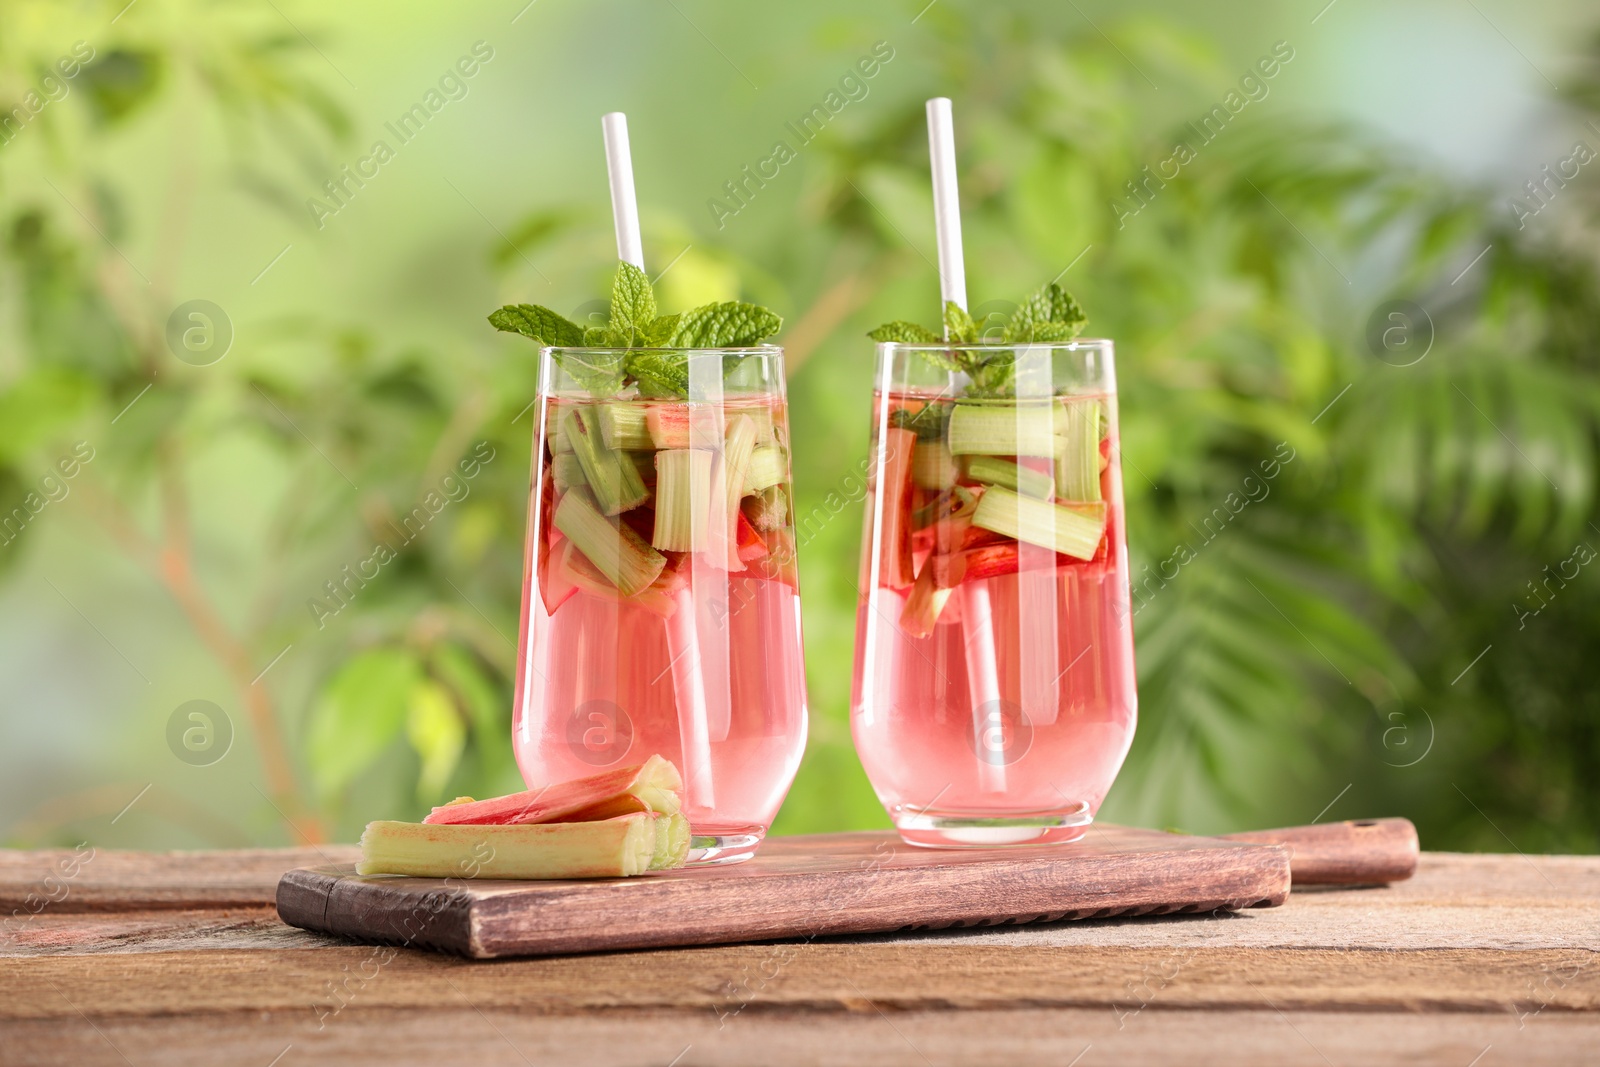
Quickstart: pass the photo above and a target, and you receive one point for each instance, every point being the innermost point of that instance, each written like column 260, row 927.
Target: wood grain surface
column 822, row 884
column 1483, row 960
column 1358, row 852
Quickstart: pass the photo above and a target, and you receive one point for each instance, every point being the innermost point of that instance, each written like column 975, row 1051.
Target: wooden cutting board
column 849, row 884
column 797, row 887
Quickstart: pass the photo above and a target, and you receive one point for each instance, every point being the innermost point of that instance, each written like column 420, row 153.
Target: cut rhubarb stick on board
column 1071, row 529
column 993, row 470
column 894, row 486
column 625, row 558
column 609, row 848
column 1078, row 460
column 611, row 476
column 650, row 786
column 1011, row 429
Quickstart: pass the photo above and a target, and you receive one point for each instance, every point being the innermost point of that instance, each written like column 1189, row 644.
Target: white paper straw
column 977, row 616
column 683, row 632
column 624, row 206
column 946, row 201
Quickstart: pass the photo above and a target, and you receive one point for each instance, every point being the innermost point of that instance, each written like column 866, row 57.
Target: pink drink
column 701, row 663
column 994, row 686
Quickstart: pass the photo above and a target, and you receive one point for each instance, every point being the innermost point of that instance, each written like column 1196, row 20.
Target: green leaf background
column 1376, row 603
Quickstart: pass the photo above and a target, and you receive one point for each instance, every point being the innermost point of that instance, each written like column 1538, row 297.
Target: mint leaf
column 1047, row 315
column 598, row 372
column 730, row 324
column 1044, row 333
column 540, row 323
column 660, row 330
column 906, row 333
column 597, row 337
column 660, row 375
column 958, row 325
column 633, row 305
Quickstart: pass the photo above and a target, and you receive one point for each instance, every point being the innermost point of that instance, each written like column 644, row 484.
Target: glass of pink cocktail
column 994, row 686
column 660, row 605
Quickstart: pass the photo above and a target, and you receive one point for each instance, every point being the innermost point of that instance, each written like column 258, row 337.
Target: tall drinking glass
column 994, row 696
column 660, row 604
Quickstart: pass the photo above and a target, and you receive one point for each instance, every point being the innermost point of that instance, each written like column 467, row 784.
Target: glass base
column 927, row 828
column 723, row 847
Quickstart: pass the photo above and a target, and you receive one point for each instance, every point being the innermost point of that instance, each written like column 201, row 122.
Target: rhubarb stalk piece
column 609, row 848
column 625, row 426
column 925, row 603
column 573, row 569
column 766, row 469
column 1015, row 429
column 649, row 786
column 727, row 488
column 932, row 466
column 1071, row 530
column 610, row 475
column 556, row 436
column 767, row 510
column 685, row 425
column 619, row 553
column 894, row 485
column 683, row 499
column 1077, row 463
column 672, row 843
column 566, row 471
column 992, row 470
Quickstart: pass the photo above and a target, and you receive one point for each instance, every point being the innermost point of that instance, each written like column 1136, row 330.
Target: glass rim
column 737, row 350
column 997, row 346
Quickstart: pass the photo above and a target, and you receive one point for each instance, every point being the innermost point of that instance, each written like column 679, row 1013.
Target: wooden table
column 139, row 958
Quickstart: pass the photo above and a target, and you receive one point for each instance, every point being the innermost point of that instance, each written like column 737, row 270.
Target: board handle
column 1358, row 852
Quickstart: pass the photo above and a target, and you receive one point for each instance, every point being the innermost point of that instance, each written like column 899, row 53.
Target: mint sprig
column 633, row 306
column 730, row 324
column 540, row 323
column 635, row 323
column 1048, row 316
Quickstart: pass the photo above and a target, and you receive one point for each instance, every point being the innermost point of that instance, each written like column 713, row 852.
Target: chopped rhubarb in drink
column 997, row 522
column 666, row 618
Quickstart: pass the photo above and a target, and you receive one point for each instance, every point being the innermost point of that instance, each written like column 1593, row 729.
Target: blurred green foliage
column 1310, row 659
